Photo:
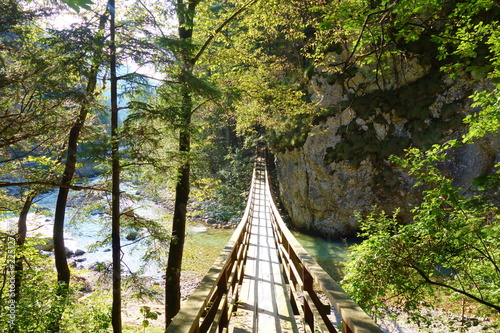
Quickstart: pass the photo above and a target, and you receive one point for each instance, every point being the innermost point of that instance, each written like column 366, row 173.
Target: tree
column 450, row 244
column 41, row 85
column 71, row 157
column 260, row 59
column 180, row 112
column 49, row 92
column 449, row 247
column 115, row 169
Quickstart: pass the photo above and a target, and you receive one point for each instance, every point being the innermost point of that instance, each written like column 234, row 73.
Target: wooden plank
column 243, row 319
column 256, row 286
column 285, row 309
column 264, row 305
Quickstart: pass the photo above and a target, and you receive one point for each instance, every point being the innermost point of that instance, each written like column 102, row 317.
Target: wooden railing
column 211, row 305
column 308, row 281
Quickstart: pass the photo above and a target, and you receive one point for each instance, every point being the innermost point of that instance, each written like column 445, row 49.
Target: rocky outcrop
column 343, row 168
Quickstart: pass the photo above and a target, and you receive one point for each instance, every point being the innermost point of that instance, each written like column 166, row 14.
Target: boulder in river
column 79, row 252
column 69, row 253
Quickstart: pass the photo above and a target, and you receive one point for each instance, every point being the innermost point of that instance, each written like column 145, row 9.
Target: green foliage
column 38, row 304
column 41, row 92
column 88, row 314
column 226, row 181
column 473, row 41
column 487, row 120
column 259, row 58
column 449, row 247
column 372, row 36
column 148, row 314
column 339, row 40
column 462, row 35
column 76, row 5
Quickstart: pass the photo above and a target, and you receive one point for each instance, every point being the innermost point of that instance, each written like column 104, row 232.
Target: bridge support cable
column 264, row 281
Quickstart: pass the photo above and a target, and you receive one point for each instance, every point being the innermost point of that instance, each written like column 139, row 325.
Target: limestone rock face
column 342, row 167
column 320, row 202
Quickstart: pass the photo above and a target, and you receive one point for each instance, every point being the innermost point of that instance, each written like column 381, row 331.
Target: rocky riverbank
column 436, row 321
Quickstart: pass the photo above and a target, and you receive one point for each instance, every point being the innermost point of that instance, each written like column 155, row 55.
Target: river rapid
column 87, row 231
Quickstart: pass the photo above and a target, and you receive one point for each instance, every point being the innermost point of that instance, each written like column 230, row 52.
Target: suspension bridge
column 264, row 281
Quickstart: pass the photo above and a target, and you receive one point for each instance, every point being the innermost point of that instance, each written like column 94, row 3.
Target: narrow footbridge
column 264, row 281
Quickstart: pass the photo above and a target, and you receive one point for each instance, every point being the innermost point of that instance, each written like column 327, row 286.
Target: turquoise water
column 329, row 254
column 205, row 244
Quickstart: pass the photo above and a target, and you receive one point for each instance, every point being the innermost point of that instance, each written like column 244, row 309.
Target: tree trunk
column 21, row 239
column 19, row 258
column 185, row 16
column 116, row 318
column 63, row 272
column 175, row 254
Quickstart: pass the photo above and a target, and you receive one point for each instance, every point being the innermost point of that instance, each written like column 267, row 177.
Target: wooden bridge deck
column 264, row 305
column 264, row 281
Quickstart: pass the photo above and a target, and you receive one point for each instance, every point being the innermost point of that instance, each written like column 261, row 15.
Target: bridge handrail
column 212, row 303
column 301, row 271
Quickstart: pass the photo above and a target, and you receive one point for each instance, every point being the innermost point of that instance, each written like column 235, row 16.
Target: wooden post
column 346, row 328
column 308, row 315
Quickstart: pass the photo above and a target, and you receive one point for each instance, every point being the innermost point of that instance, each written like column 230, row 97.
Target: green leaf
column 77, row 4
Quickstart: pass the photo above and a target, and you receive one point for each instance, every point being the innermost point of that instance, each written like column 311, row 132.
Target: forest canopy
column 176, row 95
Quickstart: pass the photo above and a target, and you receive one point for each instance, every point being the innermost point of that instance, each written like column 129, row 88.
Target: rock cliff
column 343, row 168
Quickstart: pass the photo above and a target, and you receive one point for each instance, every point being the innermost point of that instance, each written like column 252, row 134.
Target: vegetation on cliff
column 449, row 247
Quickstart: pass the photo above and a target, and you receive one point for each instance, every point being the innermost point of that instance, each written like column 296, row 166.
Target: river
column 203, row 243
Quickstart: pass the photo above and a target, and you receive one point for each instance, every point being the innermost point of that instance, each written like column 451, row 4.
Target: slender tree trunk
column 19, row 258
column 176, row 250
column 185, row 15
column 115, row 191
column 63, row 272
column 20, row 241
